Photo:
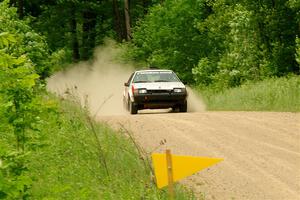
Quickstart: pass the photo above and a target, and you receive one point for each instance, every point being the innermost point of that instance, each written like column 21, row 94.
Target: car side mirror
column 126, row 84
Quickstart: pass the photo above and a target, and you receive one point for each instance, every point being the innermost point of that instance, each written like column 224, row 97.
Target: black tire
column 183, row 107
column 133, row 108
column 174, row 109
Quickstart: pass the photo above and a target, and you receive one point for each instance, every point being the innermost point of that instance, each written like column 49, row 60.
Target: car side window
column 128, row 82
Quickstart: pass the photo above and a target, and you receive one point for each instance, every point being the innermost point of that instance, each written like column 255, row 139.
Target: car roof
column 154, row 70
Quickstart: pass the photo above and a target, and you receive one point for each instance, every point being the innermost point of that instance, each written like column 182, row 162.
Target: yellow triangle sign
column 182, row 166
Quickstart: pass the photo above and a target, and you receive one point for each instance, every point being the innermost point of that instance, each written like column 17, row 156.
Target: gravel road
column 261, row 150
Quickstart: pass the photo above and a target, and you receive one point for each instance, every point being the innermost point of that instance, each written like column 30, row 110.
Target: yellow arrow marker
column 182, row 166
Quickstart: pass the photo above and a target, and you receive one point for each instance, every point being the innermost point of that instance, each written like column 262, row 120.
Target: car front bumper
column 159, row 100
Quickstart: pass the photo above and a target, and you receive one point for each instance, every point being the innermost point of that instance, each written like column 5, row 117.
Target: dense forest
column 223, row 42
column 210, row 43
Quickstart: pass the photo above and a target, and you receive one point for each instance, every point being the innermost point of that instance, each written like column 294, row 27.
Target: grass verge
column 74, row 163
column 274, row 94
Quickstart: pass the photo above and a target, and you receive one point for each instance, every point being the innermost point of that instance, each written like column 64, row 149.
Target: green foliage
column 59, row 59
column 14, row 180
column 298, row 50
column 274, row 94
column 18, row 110
column 295, row 5
column 70, row 165
column 6, row 39
column 49, row 151
column 17, row 82
column 78, row 26
column 239, row 62
column 166, row 40
column 20, row 52
column 26, row 41
column 203, row 72
column 225, row 42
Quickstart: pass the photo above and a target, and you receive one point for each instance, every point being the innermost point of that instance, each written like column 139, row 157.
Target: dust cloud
column 99, row 83
column 195, row 102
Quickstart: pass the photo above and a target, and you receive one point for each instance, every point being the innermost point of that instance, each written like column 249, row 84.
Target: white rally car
column 154, row 89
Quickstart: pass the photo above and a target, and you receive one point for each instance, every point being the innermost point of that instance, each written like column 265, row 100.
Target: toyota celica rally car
column 154, row 89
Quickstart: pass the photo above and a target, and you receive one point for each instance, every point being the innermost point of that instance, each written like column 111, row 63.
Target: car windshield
column 155, row 76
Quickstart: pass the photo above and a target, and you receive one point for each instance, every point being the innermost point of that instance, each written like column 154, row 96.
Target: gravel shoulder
column 261, row 150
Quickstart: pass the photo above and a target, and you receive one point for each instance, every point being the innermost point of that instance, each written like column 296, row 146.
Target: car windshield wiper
column 161, row 81
column 140, row 81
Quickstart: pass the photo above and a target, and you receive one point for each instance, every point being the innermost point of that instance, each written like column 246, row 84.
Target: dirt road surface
column 261, row 150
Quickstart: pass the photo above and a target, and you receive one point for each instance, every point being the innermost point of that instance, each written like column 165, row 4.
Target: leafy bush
column 21, row 51
column 203, row 73
column 18, row 108
column 27, row 42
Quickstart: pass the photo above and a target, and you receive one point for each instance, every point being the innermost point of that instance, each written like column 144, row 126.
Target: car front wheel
column 183, row 107
column 133, row 108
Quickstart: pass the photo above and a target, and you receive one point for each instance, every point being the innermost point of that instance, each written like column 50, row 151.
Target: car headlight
column 178, row 90
column 142, row 91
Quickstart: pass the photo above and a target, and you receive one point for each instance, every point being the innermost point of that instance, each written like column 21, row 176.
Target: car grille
column 159, row 91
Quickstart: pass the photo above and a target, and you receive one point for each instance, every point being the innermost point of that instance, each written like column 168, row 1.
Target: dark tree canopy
column 225, row 42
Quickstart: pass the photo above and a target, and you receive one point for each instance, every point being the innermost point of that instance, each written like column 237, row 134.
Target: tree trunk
column 127, row 20
column 117, row 21
column 21, row 8
column 13, row 3
column 145, row 6
column 75, row 45
column 88, row 34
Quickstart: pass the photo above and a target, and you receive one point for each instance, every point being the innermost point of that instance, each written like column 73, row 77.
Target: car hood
column 159, row 85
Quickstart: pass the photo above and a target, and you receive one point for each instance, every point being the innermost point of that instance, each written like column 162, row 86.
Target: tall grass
column 74, row 164
column 274, row 94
